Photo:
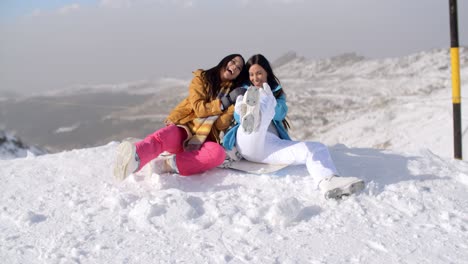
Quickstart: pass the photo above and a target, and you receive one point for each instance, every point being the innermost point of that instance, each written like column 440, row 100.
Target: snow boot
column 126, row 160
column 250, row 116
column 164, row 164
column 335, row 187
column 250, row 111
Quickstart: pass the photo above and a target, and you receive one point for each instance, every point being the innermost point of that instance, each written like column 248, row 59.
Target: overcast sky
column 54, row 44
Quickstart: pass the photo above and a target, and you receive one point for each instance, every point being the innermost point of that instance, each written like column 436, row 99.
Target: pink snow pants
column 171, row 139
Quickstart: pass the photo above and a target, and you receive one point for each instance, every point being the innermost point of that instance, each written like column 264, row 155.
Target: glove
column 231, row 97
column 267, row 88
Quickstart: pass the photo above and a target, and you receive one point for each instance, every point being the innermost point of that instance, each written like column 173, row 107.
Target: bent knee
column 216, row 152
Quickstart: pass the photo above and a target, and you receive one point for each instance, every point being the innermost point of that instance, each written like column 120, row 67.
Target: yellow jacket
column 196, row 105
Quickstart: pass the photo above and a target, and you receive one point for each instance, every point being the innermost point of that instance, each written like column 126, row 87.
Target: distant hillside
column 373, row 97
column 12, row 147
column 339, row 93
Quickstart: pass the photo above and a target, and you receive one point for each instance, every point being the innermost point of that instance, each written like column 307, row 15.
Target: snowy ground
column 66, row 207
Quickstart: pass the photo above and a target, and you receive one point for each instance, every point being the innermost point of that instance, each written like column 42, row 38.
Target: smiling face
column 257, row 75
column 232, row 69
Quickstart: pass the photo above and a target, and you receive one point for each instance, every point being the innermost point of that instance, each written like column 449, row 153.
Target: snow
column 67, row 208
column 11, row 147
column 66, row 129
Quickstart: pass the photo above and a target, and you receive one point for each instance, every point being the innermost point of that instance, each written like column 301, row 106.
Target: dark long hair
column 272, row 80
column 212, row 76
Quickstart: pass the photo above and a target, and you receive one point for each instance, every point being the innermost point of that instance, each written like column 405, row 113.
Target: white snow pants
column 264, row 146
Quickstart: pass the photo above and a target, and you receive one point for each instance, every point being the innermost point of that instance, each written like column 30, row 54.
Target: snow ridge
column 12, row 147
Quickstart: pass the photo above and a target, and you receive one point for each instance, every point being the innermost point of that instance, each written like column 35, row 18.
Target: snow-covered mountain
column 386, row 121
column 327, row 97
column 377, row 99
column 12, row 147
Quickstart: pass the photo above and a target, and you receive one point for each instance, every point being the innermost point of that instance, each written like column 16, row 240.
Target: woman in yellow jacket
column 193, row 127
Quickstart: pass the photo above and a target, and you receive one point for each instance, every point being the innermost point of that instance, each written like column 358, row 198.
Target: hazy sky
column 52, row 44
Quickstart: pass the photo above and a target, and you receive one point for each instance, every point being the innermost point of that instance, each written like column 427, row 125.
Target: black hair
column 272, row 80
column 212, row 76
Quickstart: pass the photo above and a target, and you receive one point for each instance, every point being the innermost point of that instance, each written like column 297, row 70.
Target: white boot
column 126, row 160
column 250, row 111
column 334, row 187
column 164, row 164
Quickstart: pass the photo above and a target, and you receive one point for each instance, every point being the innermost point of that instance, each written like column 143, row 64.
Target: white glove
column 267, row 94
column 267, row 88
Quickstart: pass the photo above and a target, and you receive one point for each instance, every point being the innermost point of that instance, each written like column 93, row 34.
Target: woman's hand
column 232, row 96
column 267, row 88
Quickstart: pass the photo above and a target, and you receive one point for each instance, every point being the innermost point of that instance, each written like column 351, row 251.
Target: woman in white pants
column 262, row 136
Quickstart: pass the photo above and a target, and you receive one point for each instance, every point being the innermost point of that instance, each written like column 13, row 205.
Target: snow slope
column 397, row 103
column 67, row 208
